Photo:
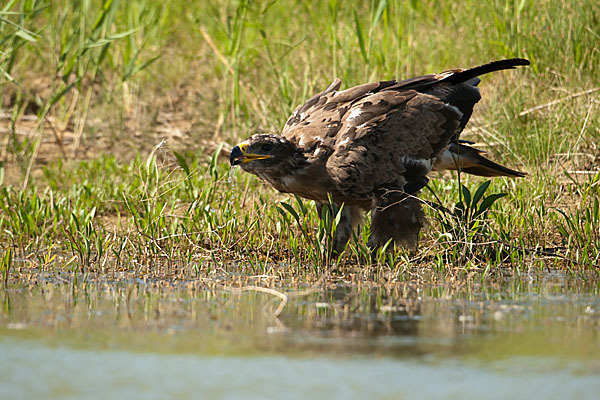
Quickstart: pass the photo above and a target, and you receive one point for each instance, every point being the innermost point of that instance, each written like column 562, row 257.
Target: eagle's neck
column 284, row 177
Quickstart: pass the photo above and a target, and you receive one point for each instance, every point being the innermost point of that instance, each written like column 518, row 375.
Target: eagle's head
column 266, row 154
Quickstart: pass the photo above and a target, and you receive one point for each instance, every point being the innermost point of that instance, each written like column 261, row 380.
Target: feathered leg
column 399, row 218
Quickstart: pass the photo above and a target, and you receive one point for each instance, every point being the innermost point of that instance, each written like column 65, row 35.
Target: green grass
column 91, row 89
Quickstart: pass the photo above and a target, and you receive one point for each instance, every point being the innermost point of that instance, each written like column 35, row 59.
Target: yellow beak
column 240, row 155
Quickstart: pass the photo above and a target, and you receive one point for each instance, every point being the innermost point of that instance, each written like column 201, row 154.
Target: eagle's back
column 374, row 136
column 387, row 134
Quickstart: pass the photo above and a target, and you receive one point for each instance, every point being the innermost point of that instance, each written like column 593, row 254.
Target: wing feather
column 391, row 142
column 389, row 133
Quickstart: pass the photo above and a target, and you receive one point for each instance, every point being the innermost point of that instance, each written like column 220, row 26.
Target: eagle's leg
column 350, row 217
column 398, row 217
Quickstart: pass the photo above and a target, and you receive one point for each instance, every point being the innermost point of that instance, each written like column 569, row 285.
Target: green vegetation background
column 115, row 116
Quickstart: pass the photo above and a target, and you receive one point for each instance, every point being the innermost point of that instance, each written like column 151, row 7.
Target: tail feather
column 470, row 160
column 463, row 76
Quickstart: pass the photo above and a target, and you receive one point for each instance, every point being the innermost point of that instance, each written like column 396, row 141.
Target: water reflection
column 550, row 315
column 515, row 338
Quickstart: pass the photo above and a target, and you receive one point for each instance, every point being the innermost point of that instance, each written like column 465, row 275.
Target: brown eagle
column 371, row 147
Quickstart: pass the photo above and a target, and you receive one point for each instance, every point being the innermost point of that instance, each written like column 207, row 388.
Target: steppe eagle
column 370, row 147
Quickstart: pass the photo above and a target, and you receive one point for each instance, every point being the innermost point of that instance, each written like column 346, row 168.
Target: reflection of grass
column 83, row 81
column 202, row 316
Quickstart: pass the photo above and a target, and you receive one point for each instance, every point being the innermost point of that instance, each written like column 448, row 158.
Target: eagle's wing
column 375, row 135
column 313, row 124
column 387, row 143
column 387, row 134
column 390, row 140
column 457, row 86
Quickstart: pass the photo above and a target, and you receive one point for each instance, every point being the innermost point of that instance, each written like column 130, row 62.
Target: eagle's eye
column 266, row 147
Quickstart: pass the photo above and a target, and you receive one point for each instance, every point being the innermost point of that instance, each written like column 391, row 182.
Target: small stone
column 590, row 310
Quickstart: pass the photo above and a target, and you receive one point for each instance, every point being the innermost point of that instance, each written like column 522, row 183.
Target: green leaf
column 106, row 8
column 284, row 215
column 7, row 7
column 333, row 10
column 214, row 171
column 109, row 39
column 59, row 95
column 136, row 69
column 338, row 216
column 562, row 230
column 479, row 193
column 520, row 7
column 360, row 36
column 182, row 163
column 26, row 36
column 7, row 75
column 488, row 202
column 379, row 12
column 466, row 195
column 291, row 210
column 21, row 32
column 301, row 205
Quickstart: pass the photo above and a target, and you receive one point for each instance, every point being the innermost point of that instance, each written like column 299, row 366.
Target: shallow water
column 532, row 338
column 38, row 371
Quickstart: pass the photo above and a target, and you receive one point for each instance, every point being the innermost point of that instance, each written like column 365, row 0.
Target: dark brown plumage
column 371, row 147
